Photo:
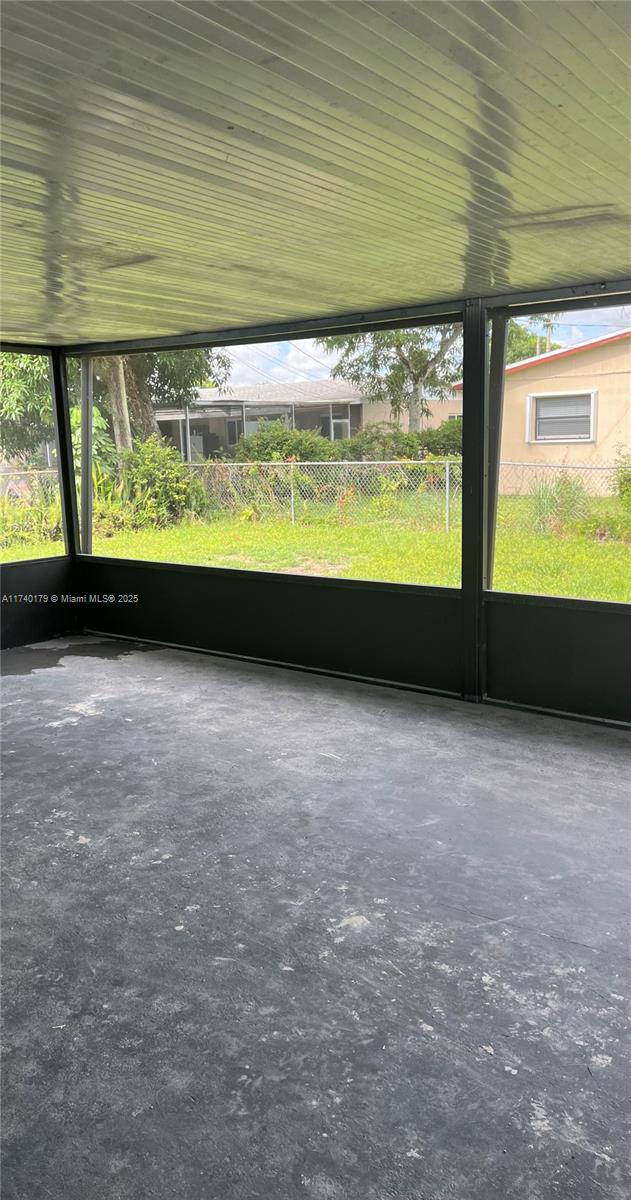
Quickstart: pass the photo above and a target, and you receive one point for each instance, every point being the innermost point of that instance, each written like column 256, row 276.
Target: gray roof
column 304, row 391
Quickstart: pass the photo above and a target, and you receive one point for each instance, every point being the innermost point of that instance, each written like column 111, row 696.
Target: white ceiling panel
column 174, row 167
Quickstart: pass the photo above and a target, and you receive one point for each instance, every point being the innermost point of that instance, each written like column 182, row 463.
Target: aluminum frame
column 482, row 393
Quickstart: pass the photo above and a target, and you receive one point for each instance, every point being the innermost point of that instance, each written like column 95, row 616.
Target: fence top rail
column 28, row 471
column 334, row 462
column 562, row 466
column 396, row 462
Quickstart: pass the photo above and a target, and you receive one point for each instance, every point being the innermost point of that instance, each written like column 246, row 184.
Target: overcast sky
column 285, row 362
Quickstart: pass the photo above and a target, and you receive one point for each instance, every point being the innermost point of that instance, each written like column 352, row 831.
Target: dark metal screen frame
column 63, row 437
column 483, row 367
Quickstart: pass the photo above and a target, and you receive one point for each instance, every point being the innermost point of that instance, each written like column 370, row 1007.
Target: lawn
column 550, row 564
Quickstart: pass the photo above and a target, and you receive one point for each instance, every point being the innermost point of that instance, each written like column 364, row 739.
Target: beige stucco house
column 441, row 410
column 571, row 405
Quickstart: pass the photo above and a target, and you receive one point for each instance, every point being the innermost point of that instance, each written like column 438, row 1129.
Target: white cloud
column 283, row 361
column 304, row 354
column 578, row 325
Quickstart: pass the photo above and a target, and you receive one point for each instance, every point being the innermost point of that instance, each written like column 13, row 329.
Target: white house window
column 562, row 418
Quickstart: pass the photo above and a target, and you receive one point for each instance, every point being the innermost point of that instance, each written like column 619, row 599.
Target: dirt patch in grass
column 313, row 566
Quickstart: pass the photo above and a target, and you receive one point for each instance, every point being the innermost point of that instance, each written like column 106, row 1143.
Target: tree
column 26, row 407
column 132, row 386
column 112, row 371
column 548, row 325
column 408, row 369
column 127, row 391
column 523, row 342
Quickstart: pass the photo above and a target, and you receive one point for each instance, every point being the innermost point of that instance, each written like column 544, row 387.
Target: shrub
column 434, row 475
column 558, row 503
column 384, row 441
column 156, row 483
column 623, row 477
column 32, row 513
column 445, row 440
column 380, row 442
column 274, row 442
column 103, row 448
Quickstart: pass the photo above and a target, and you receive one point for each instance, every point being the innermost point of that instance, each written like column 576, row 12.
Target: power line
column 280, row 363
column 277, row 362
column 303, row 351
column 253, row 367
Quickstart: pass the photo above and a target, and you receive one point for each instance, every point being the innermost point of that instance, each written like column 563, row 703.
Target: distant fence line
column 368, row 492
column 426, row 491
column 373, row 491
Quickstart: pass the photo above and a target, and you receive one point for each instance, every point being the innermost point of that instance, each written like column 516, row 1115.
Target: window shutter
column 565, row 418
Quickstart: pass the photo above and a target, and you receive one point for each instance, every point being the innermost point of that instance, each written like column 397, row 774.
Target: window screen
column 559, row 454
column 565, row 418
column 266, row 471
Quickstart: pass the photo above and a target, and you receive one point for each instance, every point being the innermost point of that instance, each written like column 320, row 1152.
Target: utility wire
column 239, row 363
column 303, row 351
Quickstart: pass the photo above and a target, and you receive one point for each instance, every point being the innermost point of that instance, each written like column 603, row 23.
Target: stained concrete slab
column 279, row 936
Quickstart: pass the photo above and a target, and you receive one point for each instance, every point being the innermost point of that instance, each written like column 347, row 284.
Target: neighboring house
column 336, row 409
column 569, row 406
column 219, row 419
column 441, row 410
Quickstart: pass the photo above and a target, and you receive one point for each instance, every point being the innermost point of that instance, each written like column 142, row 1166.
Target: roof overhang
column 178, row 167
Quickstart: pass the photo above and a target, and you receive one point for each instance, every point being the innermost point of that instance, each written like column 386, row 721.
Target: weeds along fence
column 28, row 484
column 346, row 492
column 427, row 493
column 30, row 506
column 524, row 479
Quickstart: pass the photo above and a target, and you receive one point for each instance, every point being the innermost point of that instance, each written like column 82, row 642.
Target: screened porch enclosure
column 203, row 433
column 315, row 488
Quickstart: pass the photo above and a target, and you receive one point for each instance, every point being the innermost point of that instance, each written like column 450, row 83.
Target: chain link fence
column 427, row 493
column 24, row 485
column 523, row 479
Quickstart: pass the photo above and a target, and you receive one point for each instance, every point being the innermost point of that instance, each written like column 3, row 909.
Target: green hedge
column 274, row 442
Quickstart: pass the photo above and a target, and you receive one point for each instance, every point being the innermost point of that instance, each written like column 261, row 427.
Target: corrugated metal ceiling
column 170, row 167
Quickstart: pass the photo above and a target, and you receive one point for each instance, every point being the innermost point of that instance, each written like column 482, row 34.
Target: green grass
column 19, row 551
column 550, row 564
column 575, row 563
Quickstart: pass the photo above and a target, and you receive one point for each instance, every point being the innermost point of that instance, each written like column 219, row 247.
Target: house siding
column 441, row 411
column 604, row 370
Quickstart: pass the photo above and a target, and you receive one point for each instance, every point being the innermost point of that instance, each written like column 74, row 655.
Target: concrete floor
column 279, row 936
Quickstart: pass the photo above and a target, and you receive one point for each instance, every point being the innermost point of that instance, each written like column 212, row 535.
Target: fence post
column 447, row 488
column 291, row 494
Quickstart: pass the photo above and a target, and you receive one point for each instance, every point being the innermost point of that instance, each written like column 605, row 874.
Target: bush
column 274, row 442
column 157, row 484
column 445, row 440
column 434, row 476
column 558, row 504
column 103, row 448
column 32, row 513
column 623, row 477
column 384, row 441
column 380, row 442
